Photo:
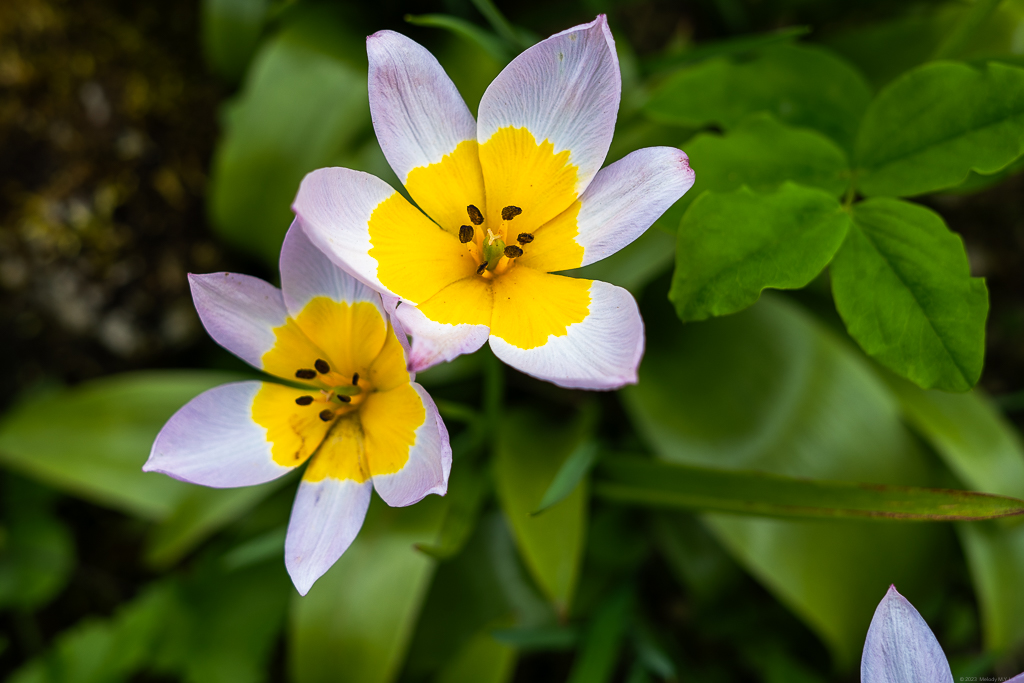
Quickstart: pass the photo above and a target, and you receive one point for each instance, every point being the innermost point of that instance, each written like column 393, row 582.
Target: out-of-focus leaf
column 230, row 32
column 929, row 128
column 974, row 18
column 304, row 103
column 798, row 84
column 733, row 245
column 539, row 638
column 769, row 389
column 985, row 452
column 467, row 488
column 92, row 440
column 37, row 552
column 569, row 475
column 600, row 652
column 263, row 547
column 488, row 42
column 635, row 265
column 729, row 46
column 902, row 285
column 199, row 514
column 640, row 481
column 762, row 153
column 355, row 623
column 482, row 660
column 530, row 452
column 517, row 37
column 694, row 556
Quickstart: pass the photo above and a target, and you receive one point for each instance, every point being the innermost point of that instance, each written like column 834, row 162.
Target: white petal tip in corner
column 901, row 647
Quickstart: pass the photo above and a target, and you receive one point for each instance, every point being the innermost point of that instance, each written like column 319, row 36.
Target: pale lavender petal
column 306, row 273
column 601, row 352
column 214, row 441
column 434, row 342
column 1019, row 678
column 240, row 312
column 564, row 89
column 417, row 112
column 326, row 518
column 430, row 461
column 900, row 648
column 626, row 197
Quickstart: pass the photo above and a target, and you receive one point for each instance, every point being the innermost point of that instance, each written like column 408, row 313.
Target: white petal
column 417, row 112
column 601, row 352
column 626, row 198
column 306, row 273
column 565, row 89
column 334, row 207
column 326, row 518
column 430, row 461
column 240, row 312
column 214, row 441
column 900, row 648
column 434, row 342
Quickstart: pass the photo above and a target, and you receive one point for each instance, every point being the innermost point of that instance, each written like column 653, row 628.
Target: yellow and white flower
column 504, row 202
column 352, row 408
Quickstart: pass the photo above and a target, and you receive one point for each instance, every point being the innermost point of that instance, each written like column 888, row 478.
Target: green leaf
column 902, row 285
column 231, row 32
column 487, row 41
column 355, row 623
column 92, row 440
column 304, row 103
column 731, row 246
column 762, row 153
column 570, row 474
column 798, row 84
column 529, row 453
column 634, row 266
column 730, row 46
column 929, row 128
column 482, row 660
column 645, row 482
column 467, row 489
column 600, row 652
column 984, row 451
column 770, row 390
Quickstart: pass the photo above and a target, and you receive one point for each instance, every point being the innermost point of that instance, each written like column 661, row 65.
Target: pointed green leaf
column 731, row 246
column 902, row 285
column 800, row 85
column 762, row 153
column 929, row 128
column 467, row 489
column 647, row 482
column 481, row 660
column 488, row 42
column 231, row 32
column 355, row 623
column 600, row 652
column 529, row 454
column 569, row 476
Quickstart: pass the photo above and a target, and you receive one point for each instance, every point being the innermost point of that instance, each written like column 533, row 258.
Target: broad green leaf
column 769, row 389
column 635, row 265
column 640, row 481
column 482, row 660
column 231, row 31
column 37, row 551
column 467, row 489
column 303, row 103
column 798, row 84
column 902, row 284
column 530, row 451
column 985, row 452
column 762, row 153
column 929, row 128
column 355, row 623
column 92, row 440
column 733, row 245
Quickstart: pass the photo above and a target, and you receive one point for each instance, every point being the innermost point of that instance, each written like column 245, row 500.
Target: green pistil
column 493, row 251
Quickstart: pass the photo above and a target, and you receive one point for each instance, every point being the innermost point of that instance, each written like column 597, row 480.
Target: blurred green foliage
column 697, row 526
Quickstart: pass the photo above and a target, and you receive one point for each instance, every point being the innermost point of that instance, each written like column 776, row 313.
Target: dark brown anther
column 481, row 269
column 321, row 366
column 326, row 415
column 344, row 399
column 510, row 212
column 475, row 217
column 512, row 251
column 466, row 233
column 304, row 400
column 524, row 238
column 355, row 378
column 305, row 374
